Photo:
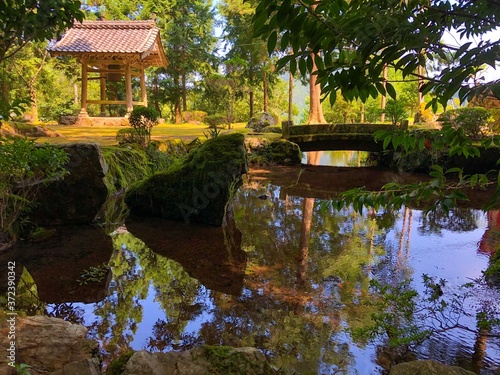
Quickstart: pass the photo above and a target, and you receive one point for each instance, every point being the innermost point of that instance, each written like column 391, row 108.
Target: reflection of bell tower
column 491, row 236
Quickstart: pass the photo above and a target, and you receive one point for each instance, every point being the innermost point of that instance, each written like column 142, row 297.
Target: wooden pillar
column 83, row 111
column 144, row 97
column 103, row 90
column 128, row 87
column 83, row 116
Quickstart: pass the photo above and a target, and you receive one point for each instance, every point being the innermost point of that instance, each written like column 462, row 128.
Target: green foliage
column 396, row 112
column 355, row 40
column 213, row 132
column 193, row 116
column 23, row 369
column 117, row 366
column 24, row 168
column 395, row 317
column 142, row 119
column 492, row 273
column 215, row 121
column 423, row 115
column 281, row 152
column 472, row 120
column 9, row 110
column 93, row 274
column 131, row 163
column 272, row 129
column 24, row 21
column 407, row 318
column 226, row 360
column 128, row 136
column 198, row 188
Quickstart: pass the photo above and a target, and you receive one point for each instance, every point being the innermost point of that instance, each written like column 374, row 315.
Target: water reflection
column 336, row 158
column 284, row 275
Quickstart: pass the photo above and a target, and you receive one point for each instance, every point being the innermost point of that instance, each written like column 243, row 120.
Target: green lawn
column 105, row 135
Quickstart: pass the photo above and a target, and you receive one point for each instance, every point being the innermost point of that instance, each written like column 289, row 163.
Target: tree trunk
column 315, row 110
column 420, row 83
column 34, row 106
column 178, row 112
column 251, row 97
column 266, row 96
column 184, row 91
column 290, row 98
column 384, row 97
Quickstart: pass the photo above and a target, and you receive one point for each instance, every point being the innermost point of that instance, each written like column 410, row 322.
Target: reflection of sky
column 450, row 255
column 339, row 158
column 152, row 311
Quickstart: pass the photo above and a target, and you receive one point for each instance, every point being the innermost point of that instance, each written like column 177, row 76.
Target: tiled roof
column 97, row 38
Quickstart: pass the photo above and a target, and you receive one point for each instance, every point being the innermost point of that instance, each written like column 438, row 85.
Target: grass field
column 106, row 135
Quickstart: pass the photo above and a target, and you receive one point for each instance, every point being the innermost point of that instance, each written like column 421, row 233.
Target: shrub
column 142, row 119
column 193, row 116
column 24, row 168
column 128, row 136
column 215, row 120
column 395, row 111
column 423, row 115
column 472, row 120
column 272, row 129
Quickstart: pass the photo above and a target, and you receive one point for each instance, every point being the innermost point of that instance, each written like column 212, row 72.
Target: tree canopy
column 354, row 40
column 23, row 21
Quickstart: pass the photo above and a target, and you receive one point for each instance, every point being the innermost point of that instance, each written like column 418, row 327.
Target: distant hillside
column 300, row 94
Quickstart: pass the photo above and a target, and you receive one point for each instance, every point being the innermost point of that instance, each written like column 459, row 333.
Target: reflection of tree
column 457, row 220
column 121, row 311
column 334, row 252
column 135, row 268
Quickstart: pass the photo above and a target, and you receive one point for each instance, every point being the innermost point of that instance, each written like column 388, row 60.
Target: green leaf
column 390, row 90
column 271, row 42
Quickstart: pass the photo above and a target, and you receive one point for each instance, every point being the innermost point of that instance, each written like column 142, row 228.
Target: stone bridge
column 335, row 136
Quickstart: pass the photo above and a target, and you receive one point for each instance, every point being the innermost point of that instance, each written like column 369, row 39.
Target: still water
column 285, row 274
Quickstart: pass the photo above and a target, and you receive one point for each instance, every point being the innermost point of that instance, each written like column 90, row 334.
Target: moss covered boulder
column 279, row 151
column 199, row 189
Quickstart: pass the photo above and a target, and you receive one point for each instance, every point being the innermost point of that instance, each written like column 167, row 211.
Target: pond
column 285, row 274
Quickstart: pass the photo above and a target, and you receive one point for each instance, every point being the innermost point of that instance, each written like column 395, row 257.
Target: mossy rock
column 281, row 152
column 492, row 273
column 198, row 189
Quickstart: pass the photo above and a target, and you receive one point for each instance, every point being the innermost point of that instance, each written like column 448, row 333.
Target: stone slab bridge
column 336, row 136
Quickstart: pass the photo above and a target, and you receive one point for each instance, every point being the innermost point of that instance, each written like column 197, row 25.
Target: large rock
column 78, row 197
column 427, row 367
column 260, row 121
column 199, row 189
column 46, row 344
column 201, row 360
column 279, row 151
column 85, row 367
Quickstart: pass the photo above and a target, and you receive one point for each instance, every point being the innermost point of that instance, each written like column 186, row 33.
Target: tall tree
column 23, row 21
column 240, row 43
column 187, row 35
column 187, row 31
column 364, row 36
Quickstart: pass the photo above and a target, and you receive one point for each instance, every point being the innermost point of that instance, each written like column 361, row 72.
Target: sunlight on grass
column 106, row 135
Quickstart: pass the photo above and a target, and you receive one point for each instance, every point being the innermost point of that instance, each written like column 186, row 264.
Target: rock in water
column 427, row 367
column 47, row 344
column 80, row 195
column 199, row 189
